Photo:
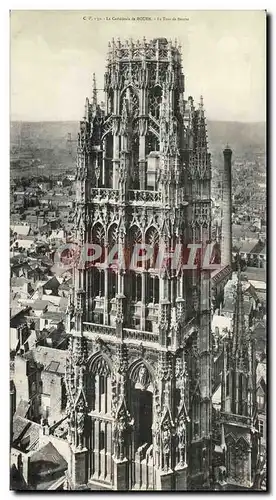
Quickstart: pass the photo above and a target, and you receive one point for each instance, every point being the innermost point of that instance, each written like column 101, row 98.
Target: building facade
column 138, row 374
column 238, row 418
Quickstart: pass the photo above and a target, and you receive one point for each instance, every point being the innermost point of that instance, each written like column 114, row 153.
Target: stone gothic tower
column 239, row 424
column 139, row 368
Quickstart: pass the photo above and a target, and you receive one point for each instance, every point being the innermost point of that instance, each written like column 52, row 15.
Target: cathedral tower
column 139, row 369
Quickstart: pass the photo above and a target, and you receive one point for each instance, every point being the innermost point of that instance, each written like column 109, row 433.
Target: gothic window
column 100, row 385
column 261, row 428
column 112, row 277
column 152, row 239
column 155, row 99
column 135, row 286
column 134, row 238
column 90, row 391
column 134, row 104
column 98, row 238
column 260, row 399
column 153, row 290
column 153, row 143
column 148, row 326
column 150, row 289
column 98, row 234
column 110, row 102
column 112, row 234
column 145, row 418
column 135, row 159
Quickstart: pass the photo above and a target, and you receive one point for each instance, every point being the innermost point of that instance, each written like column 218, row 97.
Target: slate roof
column 19, row 426
column 52, row 284
column 65, row 285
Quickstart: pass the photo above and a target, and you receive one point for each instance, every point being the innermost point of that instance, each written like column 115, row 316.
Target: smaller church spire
column 201, row 107
column 86, row 110
column 94, row 92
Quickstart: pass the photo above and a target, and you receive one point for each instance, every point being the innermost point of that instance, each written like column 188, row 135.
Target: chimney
column 226, row 232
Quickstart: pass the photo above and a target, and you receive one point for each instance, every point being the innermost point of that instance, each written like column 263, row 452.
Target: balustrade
column 140, row 335
column 239, row 419
column 128, row 333
column 98, row 329
column 138, row 196
column 109, row 195
column 105, row 195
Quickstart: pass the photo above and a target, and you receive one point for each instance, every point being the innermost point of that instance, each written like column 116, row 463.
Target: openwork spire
column 200, row 107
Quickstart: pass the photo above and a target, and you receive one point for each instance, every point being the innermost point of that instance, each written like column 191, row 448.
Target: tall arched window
column 140, row 395
column 99, row 385
column 99, row 393
column 152, row 239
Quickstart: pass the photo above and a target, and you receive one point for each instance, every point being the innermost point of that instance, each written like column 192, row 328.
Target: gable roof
column 40, row 305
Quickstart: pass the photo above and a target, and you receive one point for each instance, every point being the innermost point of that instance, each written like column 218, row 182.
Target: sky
column 54, row 53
